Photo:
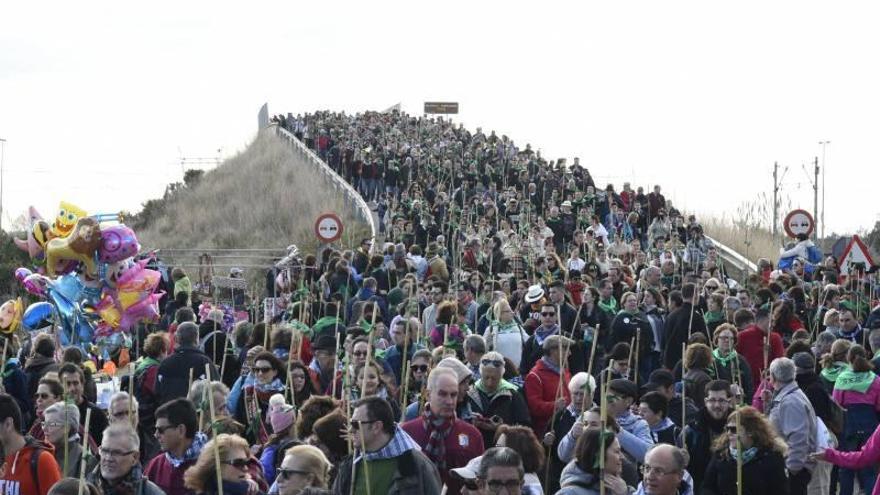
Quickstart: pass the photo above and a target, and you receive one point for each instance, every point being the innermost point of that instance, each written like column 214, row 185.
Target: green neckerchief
column 859, row 381
column 610, row 307
column 724, row 361
column 144, row 363
column 509, row 327
column 502, row 385
column 834, row 371
column 713, row 316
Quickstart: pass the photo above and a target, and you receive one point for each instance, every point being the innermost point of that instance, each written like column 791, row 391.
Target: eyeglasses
column 114, row 453
column 649, row 470
column 161, row 429
column 43, row 396
column 240, row 463
column 497, row 363
column 355, row 425
column 419, row 367
column 359, row 353
column 53, row 424
column 287, row 473
column 550, row 313
column 262, row 369
column 495, row 486
column 730, row 428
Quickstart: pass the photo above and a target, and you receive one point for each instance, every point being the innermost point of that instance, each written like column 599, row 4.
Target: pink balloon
column 117, row 243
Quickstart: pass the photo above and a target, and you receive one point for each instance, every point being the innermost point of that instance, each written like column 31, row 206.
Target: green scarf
column 610, row 307
column 713, row 316
column 145, row 363
column 503, row 385
column 834, row 371
column 724, row 361
column 859, row 381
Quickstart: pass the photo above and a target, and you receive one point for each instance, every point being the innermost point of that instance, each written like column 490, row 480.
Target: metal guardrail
column 734, row 259
column 340, row 184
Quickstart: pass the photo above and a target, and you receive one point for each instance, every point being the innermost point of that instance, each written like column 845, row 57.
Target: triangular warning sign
column 855, row 252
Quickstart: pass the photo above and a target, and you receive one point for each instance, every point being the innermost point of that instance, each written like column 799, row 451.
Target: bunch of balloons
column 85, row 269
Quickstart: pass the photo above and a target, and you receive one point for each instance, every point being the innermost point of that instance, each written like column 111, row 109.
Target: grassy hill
column 264, row 197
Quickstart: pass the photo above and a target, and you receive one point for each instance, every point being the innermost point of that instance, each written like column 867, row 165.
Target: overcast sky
column 98, row 101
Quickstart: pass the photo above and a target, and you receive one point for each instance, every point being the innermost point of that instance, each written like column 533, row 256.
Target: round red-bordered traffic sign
column 328, row 227
column 799, row 222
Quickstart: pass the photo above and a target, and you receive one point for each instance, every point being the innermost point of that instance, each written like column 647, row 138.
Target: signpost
column 328, row 228
column 799, row 222
column 441, row 107
column 855, row 254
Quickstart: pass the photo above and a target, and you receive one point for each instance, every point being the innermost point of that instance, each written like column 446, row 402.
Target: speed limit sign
column 328, row 228
column 799, row 222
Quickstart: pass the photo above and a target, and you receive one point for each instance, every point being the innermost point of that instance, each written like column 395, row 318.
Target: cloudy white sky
column 99, row 100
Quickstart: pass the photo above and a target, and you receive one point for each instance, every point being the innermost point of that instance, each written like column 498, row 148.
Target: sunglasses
column 161, row 429
column 497, row 363
column 240, row 463
column 287, row 473
column 359, row 353
column 730, row 429
column 552, row 313
column 419, row 367
column 356, row 425
column 43, row 396
column 262, row 369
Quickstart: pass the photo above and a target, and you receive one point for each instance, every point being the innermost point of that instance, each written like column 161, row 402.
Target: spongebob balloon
column 10, row 315
column 68, row 214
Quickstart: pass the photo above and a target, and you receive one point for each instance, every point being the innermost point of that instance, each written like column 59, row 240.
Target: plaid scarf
column 437, row 429
column 129, row 484
column 399, row 444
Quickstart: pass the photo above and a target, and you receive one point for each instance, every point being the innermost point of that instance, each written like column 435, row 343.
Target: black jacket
column 627, row 326
column 697, row 438
column 763, row 475
column 509, row 405
column 820, row 399
column 675, row 330
column 414, row 474
column 173, row 377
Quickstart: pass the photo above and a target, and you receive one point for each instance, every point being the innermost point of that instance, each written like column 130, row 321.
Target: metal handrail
column 337, row 179
column 731, row 256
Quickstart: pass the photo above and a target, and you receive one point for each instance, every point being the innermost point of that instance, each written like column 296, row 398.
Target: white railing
column 340, row 184
column 733, row 258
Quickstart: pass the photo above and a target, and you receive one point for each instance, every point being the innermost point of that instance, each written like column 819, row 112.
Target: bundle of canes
column 563, row 367
column 684, row 372
column 85, row 451
column 404, row 366
column 213, row 419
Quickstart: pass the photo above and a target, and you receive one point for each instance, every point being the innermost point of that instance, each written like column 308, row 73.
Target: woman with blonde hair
column 751, row 437
column 234, row 460
column 505, row 334
column 303, row 466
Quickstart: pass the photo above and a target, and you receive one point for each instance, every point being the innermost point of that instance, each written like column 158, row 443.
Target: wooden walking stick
column 638, row 339
column 85, row 451
column 131, row 394
column 683, row 386
column 190, row 384
column 66, row 435
column 629, row 359
column 739, row 457
column 213, row 419
column 335, row 366
column 593, row 351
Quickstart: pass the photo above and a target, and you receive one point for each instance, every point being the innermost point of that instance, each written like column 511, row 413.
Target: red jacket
column 17, row 474
column 463, row 443
column 750, row 343
column 168, row 477
column 542, row 383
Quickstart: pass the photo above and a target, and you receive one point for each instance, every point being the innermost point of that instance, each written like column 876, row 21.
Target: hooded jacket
column 36, row 368
column 17, row 473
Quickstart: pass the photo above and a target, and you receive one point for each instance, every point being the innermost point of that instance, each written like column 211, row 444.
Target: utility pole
column 775, row 198
column 2, row 156
column 823, row 143
column 815, row 198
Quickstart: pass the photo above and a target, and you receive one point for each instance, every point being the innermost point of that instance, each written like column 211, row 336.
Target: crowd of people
column 511, row 330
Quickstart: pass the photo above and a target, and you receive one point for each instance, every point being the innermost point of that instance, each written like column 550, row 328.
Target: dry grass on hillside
column 264, row 197
column 748, row 240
